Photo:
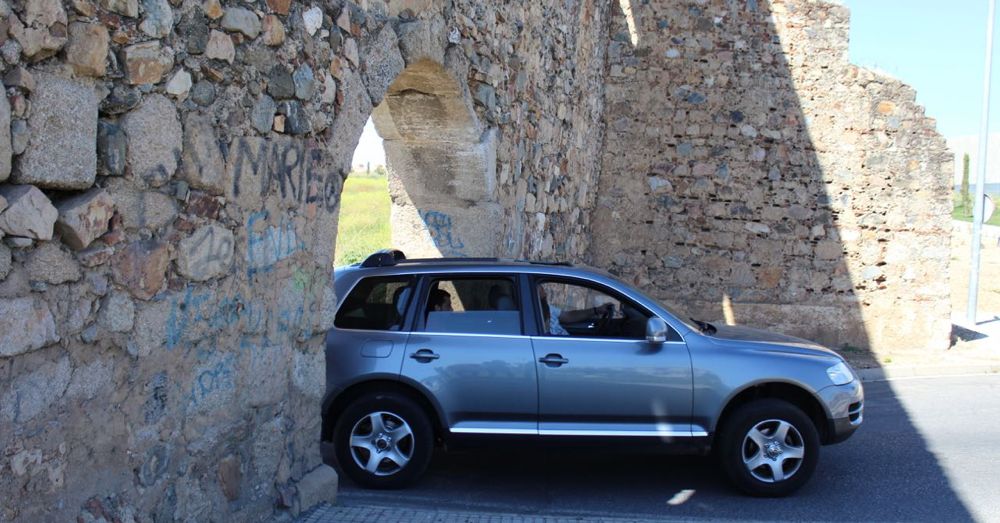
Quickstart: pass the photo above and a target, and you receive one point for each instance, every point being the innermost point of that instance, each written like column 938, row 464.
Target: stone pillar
column 442, row 167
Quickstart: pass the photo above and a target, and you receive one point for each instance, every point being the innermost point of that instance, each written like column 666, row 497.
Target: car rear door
column 474, row 359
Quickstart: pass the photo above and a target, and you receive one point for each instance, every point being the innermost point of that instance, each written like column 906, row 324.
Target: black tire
column 737, row 450
column 417, row 447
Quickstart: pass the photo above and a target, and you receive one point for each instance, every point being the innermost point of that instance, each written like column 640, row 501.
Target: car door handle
column 554, row 360
column 424, row 355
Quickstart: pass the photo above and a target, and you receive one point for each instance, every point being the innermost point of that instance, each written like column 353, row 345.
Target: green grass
column 963, row 213
column 364, row 218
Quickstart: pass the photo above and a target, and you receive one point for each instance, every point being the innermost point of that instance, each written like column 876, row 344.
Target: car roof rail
column 553, row 263
column 483, row 260
column 452, row 260
column 392, row 257
column 384, row 258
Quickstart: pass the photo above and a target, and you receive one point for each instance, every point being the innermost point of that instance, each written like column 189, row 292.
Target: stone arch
column 442, row 165
column 190, row 283
column 441, row 158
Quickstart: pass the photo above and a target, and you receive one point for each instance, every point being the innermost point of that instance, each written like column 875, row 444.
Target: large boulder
column 44, row 30
column 50, row 263
column 84, row 218
column 238, row 19
column 159, row 19
column 128, row 8
column 318, row 486
column 117, row 312
column 154, row 140
column 25, row 325
column 29, row 212
column 63, row 124
column 202, row 163
column 87, row 51
column 206, row 254
column 147, row 62
column 142, row 268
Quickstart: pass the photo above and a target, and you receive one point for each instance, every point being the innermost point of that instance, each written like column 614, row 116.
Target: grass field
column 364, row 218
column 964, row 213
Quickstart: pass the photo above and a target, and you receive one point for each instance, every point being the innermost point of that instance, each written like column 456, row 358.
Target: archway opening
column 440, row 174
column 363, row 223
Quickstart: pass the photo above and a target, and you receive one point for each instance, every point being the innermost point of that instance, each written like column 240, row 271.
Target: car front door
column 468, row 349
column 597, row 374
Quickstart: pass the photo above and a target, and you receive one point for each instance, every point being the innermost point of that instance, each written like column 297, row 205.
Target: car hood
column 775, row 341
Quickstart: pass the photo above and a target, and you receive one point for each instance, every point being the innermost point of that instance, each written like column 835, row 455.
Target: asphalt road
column 929, row 450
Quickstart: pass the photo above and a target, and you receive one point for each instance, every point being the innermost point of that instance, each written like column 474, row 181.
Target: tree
column 966, row 200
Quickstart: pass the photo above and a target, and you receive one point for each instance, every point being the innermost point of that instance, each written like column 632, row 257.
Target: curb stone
column 318, row 487
column 325, row 513
column 923, row 371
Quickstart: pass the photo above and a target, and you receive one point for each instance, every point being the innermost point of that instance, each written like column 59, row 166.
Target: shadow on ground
column 959, row 333
column 886, row 472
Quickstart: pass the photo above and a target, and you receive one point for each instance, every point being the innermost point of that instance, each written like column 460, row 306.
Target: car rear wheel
column 768, row 447
column 383, row 440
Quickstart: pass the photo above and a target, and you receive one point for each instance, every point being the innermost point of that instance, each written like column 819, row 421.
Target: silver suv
column 433, row 351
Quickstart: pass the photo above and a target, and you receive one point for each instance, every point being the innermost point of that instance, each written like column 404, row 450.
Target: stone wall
column 170, row 184
column 170, row 175
column 751, row 174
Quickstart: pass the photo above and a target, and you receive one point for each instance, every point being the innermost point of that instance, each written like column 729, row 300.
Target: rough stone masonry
column 170, row 176
column 769, row 180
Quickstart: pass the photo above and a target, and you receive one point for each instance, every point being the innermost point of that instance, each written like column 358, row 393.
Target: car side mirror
column 656, row 330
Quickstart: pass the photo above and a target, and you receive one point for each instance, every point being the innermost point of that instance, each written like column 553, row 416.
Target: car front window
column 677, row 314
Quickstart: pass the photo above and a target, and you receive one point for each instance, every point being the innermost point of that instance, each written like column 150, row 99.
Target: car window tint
column 376, row 304
column 473, row 306
column 578, row 310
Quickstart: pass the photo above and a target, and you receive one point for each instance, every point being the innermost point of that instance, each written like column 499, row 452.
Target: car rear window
column 473, row 306
column 376, row 304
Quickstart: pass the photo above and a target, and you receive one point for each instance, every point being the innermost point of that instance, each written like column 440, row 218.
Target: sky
column 937, row 47
column 369, row 149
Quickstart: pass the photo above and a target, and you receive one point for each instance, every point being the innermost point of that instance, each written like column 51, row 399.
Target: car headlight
column 840, row 374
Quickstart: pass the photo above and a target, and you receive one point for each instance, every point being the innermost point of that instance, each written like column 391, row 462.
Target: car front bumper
column 846, row 404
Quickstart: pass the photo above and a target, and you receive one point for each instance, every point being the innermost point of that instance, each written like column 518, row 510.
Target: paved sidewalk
column 326, row 513
column 975, row 350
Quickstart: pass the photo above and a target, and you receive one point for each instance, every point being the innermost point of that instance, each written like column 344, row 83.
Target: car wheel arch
column 793, row 393
column 363, row 388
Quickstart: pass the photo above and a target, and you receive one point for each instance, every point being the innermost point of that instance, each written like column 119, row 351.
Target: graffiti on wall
column 294, row 169
column 206, row 312
column 218, row 377
column 273, row 244
column 201, row 321
column 233, row 329
column 210, row 252
column 442, row 232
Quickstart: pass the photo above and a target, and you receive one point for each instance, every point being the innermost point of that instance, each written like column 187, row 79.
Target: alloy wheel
column 773, row 450
column 382, row 443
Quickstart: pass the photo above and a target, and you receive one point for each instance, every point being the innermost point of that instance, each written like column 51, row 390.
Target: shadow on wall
column 738, row 178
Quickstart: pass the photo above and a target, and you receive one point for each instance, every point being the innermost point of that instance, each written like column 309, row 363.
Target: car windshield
column 692, row 323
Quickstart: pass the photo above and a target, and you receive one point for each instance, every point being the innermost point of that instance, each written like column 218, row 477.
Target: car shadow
column 885, row 472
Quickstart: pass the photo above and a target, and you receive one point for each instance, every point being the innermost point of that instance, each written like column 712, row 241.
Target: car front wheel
column 383, row 441
column 768, row 447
